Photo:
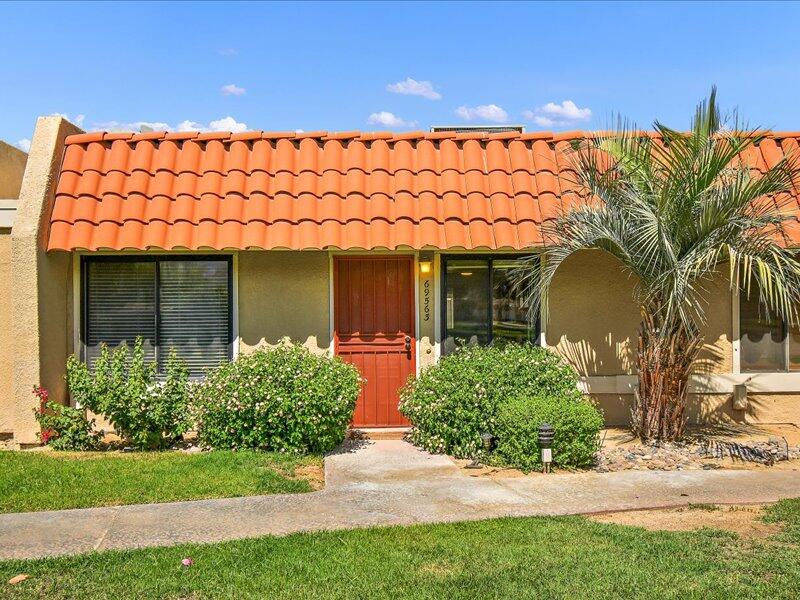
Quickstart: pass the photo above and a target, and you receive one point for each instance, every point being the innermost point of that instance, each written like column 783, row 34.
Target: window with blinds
column 171, row 303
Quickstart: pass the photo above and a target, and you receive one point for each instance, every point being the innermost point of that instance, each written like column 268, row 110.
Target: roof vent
column 478, row 128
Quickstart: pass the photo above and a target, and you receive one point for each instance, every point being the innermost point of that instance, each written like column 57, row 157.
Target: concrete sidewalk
column 380, row 483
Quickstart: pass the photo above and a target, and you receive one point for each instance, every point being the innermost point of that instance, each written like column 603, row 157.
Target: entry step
column 377, row 433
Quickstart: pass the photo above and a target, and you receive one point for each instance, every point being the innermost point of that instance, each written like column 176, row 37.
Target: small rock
column 774, row 439
column 647, row 456
column 18, row 578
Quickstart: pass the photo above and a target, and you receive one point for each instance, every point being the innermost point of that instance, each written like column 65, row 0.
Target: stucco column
column 426, row 305
column 40, row 282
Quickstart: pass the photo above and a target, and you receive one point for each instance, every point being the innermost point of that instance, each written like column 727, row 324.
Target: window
column 484, row 301
column 766, row 343
column 182, row 303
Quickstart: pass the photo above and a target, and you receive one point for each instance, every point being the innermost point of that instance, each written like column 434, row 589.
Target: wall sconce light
column 425, row 262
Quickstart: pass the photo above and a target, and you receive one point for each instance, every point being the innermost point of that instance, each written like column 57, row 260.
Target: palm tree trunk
column 665, row 361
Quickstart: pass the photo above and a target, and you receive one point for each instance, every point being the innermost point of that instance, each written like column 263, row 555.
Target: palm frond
column 673, row 207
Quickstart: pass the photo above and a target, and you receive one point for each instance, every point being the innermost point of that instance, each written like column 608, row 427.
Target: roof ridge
column 364, row 136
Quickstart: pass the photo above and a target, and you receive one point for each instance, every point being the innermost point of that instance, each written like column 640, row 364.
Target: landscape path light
column 487, row 439
column 546, row 434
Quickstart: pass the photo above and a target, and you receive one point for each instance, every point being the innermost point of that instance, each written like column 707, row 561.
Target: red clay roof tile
column 321, row 190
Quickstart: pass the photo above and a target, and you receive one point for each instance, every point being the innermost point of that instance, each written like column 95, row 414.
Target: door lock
column 408, row 343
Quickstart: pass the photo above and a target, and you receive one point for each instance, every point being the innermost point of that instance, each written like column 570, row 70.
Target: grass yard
column 31, row 481
column 516, row 558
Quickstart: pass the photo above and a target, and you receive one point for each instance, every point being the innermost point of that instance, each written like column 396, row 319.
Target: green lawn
column 507, row 558
column 53, row 480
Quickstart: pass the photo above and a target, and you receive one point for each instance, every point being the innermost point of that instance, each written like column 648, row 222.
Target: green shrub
column 284, row 399
column 64, row 427
column 147, row 413
column 451, row 403
column 577, row 424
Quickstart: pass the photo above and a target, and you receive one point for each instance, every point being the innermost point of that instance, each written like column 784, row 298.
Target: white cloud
column 24, row 144
column 389, row 120
column 227, row 51
column 184, row 126
column 223, row 124
column 412, row 87
column 131, row 126
column 232, row 90
column 558, row 115
column 227, row 124
column 486, row 112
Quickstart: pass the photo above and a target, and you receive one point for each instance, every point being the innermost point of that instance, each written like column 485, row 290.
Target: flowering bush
column 284, row 399
column 577, row 424
column 64, row 427
column 147, row 413
column 451, row 403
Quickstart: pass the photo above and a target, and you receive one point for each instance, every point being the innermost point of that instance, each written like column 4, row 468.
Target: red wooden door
column 374, row 330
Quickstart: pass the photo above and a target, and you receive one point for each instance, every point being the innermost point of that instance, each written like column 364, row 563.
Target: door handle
column 408, row 343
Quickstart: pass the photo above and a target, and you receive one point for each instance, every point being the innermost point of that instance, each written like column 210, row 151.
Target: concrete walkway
column 380, row 483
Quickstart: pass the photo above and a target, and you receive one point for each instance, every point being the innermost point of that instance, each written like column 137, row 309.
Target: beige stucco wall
column 40, row 282
column 713, row 408
column 717, row 331
column 592, row 318
column 284, row 294
column 12, row 167
column 6, row 356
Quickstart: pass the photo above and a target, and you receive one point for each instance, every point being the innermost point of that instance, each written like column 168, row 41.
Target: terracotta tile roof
column 318, row 190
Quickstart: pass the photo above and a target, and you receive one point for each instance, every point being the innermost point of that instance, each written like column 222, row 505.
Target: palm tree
column 674, row 208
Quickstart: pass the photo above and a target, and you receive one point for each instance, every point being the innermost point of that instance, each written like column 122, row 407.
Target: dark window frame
column 444, row 258
column 84, row 309
column 786, row 335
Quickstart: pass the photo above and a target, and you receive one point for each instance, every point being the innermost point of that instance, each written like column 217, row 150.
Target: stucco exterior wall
column 40, row 282
column 12, row 168
column 713, row 408
column 6, row 355
column 717, row 353
column 284, row 294
column 592, row 318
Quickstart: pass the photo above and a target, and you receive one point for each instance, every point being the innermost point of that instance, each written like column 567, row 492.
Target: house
column 383, row 248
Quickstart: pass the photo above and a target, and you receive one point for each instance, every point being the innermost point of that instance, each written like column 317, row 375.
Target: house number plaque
column 426, row 302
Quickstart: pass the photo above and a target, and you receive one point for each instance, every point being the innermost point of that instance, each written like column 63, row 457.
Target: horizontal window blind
column 193, row 302
column 121, row 306
column 180, row 304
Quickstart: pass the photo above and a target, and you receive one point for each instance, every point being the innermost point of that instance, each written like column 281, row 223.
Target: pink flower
column 187, row 562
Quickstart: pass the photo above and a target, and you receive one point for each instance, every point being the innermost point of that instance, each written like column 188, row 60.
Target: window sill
column 717, row 383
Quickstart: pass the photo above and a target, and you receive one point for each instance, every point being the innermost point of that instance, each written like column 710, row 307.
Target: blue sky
column 393, row 66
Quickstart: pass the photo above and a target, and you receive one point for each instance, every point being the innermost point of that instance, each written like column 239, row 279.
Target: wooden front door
column 374, row 330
